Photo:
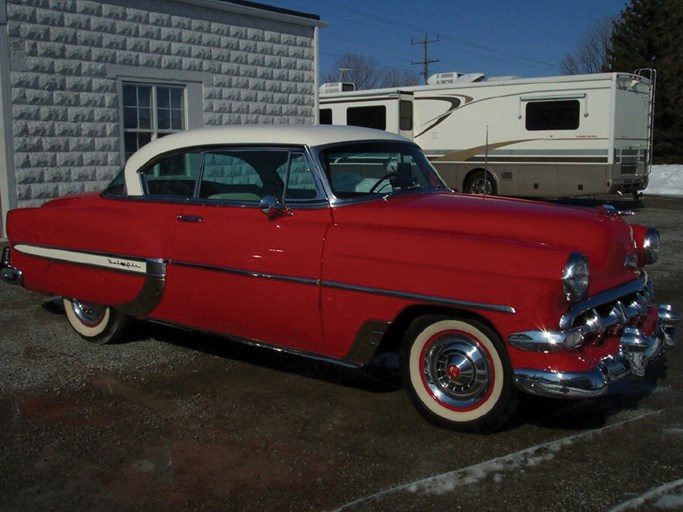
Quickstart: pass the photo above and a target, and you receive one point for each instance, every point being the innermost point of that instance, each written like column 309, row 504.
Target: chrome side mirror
column 270, row 205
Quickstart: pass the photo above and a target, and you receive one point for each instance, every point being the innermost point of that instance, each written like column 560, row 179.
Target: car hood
column 604, row 237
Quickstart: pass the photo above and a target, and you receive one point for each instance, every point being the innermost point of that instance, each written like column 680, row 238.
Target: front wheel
column 482, row 183
column 95, row 322
column 457, row 373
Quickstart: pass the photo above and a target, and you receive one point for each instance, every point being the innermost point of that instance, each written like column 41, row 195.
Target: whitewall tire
column 457, row 373
column 95, row 322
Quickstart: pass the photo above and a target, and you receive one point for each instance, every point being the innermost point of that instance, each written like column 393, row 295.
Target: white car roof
column 272, row 135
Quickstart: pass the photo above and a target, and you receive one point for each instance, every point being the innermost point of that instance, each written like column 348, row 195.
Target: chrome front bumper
column 636, row 351
column 620, row 312
column 8, row 273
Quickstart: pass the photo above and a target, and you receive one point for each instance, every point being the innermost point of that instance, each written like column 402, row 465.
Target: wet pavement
column 171, row 420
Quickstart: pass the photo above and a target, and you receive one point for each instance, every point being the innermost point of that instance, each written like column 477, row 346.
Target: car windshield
column 367, row 169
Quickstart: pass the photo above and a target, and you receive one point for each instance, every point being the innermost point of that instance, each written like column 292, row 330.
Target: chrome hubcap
column 457, row 371
column 88, row 313
column 481, row 186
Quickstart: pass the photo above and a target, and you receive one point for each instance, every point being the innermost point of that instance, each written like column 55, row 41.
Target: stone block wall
column 66, row 62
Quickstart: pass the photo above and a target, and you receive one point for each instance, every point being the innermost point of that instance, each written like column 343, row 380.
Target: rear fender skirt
column 153, row 270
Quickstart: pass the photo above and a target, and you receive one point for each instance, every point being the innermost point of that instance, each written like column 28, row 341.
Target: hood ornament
column 610, row 211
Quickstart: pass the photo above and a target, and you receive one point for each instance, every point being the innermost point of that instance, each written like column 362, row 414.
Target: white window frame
column 192, row 81
column 154, row 130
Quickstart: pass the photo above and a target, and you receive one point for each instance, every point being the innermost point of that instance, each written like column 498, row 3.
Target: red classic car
column 343, row 243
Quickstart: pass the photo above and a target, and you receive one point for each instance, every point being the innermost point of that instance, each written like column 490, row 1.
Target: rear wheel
column 481, row 182
column 457, row 373
column 96, row 323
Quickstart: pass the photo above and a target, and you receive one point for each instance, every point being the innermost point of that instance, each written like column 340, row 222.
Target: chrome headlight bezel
column 651, row 246
column 576, row 277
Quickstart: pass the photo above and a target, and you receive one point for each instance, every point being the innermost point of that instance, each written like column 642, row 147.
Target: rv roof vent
column 471, row 77
column 502, row 78
column 443, row 78
column 337, row 87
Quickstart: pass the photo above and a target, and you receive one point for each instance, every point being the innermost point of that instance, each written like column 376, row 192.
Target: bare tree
column 593, row 52
column 366, row 73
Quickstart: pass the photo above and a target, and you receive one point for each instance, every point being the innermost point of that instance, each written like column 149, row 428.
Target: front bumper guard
column 8, row 273
column 636, row 351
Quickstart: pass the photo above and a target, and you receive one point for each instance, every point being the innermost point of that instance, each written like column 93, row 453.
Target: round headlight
column 651, row 246
column 576, row 277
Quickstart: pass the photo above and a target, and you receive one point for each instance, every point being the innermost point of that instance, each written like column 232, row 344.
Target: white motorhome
column 547, row 137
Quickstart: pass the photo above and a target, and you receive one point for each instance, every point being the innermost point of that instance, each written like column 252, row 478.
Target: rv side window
column 369, row 117
column 405, row 115
column 552, row 115
column 325, row 116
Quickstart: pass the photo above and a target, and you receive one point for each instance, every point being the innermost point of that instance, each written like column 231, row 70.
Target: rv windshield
column 364, row 169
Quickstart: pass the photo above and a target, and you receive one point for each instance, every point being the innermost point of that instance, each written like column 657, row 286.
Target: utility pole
column 426, row 62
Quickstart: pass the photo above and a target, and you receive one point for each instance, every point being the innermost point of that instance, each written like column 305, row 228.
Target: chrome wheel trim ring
column 457, row 372
column 88, row 313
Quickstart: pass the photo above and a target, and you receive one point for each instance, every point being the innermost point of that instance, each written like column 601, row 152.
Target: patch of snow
column 671, row 502
column 665, row 180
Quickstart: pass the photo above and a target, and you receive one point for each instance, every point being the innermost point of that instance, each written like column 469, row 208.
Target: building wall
column 68, row 59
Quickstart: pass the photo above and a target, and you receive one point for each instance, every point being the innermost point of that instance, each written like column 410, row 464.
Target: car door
column 239, row 270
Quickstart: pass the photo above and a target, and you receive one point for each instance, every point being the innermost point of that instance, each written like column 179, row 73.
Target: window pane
column 130, row 117
column 163, row 100
column 325, row 116
column 177, row 98
column 299, row 184
column 377, row 168
column 145, row 118
column 164, row 119
column 370, row 117
column 552, row 115
column 177, row 120
column 134, row 141
column 175, row 175
column 130, row 96
column 405, row 109
column 243, row 175
column 144, row 96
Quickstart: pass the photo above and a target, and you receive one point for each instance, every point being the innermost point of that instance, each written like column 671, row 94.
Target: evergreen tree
column 649, row 34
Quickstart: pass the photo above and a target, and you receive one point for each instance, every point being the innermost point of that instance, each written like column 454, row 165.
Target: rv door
column 405, row 115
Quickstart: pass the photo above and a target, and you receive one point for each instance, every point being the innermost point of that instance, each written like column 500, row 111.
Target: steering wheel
column 388, row 175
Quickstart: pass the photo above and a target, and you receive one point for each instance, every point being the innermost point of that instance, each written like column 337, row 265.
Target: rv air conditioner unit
column 454, row 77
column 333, row 87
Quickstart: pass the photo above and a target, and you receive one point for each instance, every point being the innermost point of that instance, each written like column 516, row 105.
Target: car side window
column 242, row 175
column 174, row 175
column 298, row 178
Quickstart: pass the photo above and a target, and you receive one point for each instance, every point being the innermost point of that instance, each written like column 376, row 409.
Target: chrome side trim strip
column 109, row 261
column 422, row 298
column 152, row 269
column 350, row 287
column 247, row 273
column 151, row 293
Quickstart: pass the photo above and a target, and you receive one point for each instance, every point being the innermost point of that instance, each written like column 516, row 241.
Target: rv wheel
column 481, row 182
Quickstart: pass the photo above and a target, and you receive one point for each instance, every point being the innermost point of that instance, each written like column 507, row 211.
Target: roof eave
column 253, row 9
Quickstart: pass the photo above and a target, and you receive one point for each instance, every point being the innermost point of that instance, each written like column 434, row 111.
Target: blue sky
column 496, row 37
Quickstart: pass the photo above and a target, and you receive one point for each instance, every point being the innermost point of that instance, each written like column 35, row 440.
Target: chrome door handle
column 189, row 218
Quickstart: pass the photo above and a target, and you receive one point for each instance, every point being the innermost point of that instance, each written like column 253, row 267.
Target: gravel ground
column 55, row 357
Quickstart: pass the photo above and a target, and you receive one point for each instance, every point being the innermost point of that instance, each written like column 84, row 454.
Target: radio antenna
column 486, row 163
